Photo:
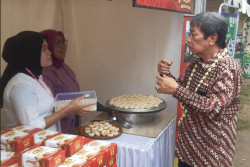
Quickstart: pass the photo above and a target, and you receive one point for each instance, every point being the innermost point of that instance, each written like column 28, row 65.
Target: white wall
column 113, row 47
column 118, row 46
column 20, row 15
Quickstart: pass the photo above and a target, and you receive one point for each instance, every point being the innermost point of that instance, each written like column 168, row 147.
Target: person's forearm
column 52, row 119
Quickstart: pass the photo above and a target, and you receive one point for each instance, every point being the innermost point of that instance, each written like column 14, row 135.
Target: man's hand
column 164, row 66
column 166, row 85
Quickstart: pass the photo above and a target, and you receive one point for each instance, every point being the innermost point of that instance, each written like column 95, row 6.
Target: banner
column 231, row 33
column 245, row 59
column 184, row 6
column 186, row 58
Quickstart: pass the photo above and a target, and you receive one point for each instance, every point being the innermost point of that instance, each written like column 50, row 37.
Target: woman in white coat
column 24, row 96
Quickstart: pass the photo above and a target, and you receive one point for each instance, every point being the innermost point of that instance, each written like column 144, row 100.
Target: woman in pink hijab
column 59, row 76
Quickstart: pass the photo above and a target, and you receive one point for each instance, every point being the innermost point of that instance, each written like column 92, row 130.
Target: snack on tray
column 102, row 128
column 135, row 101
column 41, row 156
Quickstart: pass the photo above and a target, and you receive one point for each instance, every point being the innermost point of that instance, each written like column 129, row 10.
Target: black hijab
column 20, row 51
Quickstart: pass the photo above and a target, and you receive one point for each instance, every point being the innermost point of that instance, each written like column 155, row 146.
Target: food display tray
column 161, row 107
column 81, row 132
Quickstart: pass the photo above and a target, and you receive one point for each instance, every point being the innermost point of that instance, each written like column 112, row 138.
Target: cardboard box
column 70, row 143
column 12, row 165
column 8, row 158
column 76, row 162
column 26, row 129
column 40, row 136
column 5, row 131
column 109, row 148
column 115, row 165
column 111, row 162
column 16, row 140
column 41, row 156
column 96, row 156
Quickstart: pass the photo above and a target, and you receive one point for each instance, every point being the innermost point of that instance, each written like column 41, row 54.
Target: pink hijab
column 51, row 38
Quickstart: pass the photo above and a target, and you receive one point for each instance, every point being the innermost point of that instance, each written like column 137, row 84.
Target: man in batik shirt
column 209, row 91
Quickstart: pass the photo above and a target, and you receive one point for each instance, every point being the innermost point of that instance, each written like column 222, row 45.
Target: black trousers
column 183, row 164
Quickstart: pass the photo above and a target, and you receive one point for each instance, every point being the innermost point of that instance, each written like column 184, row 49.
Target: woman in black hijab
column 25, row 98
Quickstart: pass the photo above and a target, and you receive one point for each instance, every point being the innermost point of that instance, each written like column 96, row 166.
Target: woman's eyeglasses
column 61, row 43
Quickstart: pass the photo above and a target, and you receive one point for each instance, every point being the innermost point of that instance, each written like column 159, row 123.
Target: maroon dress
column 61, row 80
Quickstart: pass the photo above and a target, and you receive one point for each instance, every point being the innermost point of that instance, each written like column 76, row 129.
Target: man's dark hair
column 212, row 23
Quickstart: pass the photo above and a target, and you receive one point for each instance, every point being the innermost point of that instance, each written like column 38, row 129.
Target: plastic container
column 63, row 99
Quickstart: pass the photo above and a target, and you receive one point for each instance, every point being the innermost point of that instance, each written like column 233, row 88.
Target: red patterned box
column 111, row 162
column 76, row 162
column 26, row 129
column 16, row 140
column 70, row 143
column 41, row 156
column 15, row 164
column 5, row 131
column 40, row 136
column 115, row 165
column 109, row 148
column 96, row 156
column 8, row 158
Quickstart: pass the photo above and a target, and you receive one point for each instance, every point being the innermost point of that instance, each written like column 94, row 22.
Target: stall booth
column 114, row 47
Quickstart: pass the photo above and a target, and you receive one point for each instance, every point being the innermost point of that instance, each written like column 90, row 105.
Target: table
column 143, row 151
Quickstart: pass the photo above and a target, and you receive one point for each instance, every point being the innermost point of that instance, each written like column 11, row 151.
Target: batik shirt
column 207, row 134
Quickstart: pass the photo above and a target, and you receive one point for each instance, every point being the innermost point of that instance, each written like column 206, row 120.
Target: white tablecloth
column 140, row 151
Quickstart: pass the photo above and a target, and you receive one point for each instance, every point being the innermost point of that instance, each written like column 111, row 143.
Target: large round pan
column 161, row 107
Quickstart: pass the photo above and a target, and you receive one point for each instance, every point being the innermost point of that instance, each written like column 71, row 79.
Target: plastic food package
column 63, row 99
